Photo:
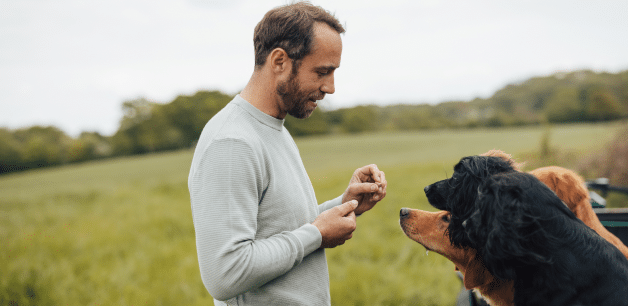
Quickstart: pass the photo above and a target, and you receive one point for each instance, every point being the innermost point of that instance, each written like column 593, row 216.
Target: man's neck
column 260, row 92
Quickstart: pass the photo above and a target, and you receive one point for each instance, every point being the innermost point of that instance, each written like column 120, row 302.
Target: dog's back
column 585, row 270
column 570, row 188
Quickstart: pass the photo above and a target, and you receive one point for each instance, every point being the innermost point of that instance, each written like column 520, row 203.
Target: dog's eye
column 446, row 218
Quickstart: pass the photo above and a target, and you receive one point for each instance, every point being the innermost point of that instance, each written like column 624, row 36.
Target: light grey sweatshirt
column 252, row 206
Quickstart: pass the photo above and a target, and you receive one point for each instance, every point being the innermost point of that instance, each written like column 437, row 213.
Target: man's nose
column 329, row 87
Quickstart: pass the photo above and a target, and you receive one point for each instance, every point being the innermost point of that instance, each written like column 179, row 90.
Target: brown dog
column 430, row 230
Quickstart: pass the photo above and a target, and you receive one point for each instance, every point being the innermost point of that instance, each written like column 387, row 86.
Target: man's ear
column 279, row 61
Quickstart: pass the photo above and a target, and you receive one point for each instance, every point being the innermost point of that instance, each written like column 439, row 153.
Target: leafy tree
column 189, row 114
column 80, row 150
column 619, row 85
column 152, row 134
column 316, row 124
column 43, row 146
column 564, row 106
column 88, row 146
column 410, row 117
column 601, row 105
column 135, row 112
column 495, row 121
column 359, row 119
column 10, row 152
column 122, row 143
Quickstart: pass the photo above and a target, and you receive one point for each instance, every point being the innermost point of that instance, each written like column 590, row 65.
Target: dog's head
column 458, row 193
column 430, row 230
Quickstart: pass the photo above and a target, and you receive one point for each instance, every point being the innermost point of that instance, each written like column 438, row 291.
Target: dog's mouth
column 413, row 234
column 434, row 197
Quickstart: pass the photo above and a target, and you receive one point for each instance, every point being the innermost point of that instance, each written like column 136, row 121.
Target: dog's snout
column 426, row 189
column 404, row 212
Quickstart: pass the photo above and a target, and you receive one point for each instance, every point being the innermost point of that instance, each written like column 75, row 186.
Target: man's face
column 315, row 74
column 296, row 100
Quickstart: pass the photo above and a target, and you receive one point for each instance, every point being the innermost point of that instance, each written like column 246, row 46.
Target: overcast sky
column 72, row 63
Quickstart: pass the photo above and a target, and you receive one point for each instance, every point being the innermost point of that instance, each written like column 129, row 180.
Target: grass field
column 119, row 232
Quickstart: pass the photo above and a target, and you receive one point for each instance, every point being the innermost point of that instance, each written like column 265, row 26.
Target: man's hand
column 337, row 224
column 367, row 186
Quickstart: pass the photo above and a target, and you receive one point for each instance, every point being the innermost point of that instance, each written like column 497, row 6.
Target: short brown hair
column 290, row 27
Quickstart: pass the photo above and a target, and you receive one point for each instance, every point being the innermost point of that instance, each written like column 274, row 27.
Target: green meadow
column 119, row 231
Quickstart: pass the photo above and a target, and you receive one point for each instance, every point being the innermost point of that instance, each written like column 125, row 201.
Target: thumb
column 347, row 207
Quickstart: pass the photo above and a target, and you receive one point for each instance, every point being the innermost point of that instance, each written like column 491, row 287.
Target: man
column 260, row 233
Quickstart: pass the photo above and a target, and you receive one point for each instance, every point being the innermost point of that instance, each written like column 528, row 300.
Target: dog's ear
column 475, row 272
column 506, row 230
column 476, row 276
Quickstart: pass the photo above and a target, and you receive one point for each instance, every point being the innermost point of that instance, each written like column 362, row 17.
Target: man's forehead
column 326, row 48
column 325, row 36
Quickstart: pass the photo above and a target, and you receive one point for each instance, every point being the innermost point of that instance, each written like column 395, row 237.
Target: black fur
column 522, row 231
column 457, row 194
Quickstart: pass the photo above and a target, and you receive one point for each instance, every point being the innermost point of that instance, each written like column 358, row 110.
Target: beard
column 294, row 99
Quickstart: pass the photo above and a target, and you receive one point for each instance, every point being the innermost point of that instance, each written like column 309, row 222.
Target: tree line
column 146, row 127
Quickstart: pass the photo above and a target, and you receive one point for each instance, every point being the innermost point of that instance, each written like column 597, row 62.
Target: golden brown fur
column 429, row 229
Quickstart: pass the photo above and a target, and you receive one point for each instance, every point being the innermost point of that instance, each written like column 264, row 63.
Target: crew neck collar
column 262, row 117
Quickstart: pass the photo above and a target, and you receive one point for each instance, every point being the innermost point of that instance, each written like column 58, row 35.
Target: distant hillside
column 580, row 96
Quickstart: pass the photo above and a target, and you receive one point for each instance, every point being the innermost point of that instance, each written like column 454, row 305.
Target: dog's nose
column 426, row 189
column 404, row 212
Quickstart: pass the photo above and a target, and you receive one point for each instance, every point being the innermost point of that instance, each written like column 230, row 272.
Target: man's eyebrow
column 327, row 67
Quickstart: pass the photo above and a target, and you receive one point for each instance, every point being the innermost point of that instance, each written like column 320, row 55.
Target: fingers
column 368, row 185
column 382, row 178
column 378, row 190
column 358, row 188
column 352, row 217
column 381, row 193
column 347, row 208
column 370, row 173
column 381, row 182
column 337, row 224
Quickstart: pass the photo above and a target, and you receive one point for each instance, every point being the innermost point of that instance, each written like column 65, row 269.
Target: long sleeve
column 329, row 204
column 225, row 191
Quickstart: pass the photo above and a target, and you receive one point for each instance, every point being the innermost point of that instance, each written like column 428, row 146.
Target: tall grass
column 119, row 232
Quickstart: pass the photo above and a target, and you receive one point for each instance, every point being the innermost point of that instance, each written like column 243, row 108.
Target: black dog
column 457, row 194
column 523, row 232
